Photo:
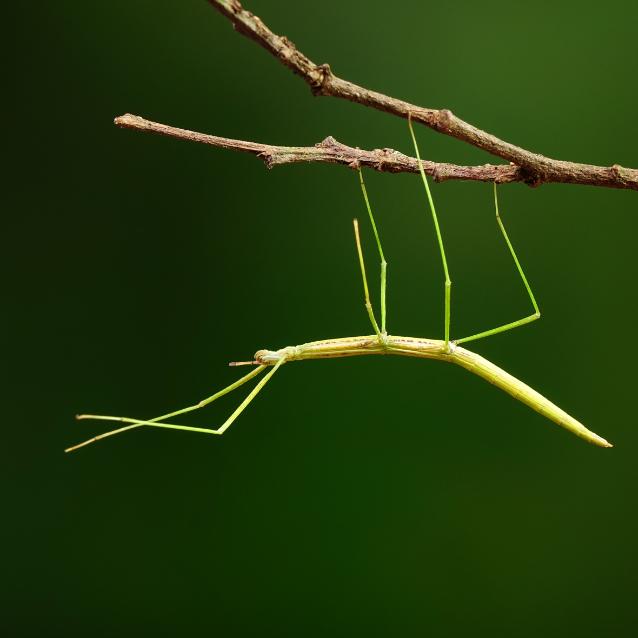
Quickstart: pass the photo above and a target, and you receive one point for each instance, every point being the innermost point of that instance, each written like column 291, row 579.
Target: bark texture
column 531, row 168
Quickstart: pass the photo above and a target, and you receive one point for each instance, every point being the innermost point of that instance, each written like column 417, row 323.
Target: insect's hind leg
column 157, row 421
column 520, row 322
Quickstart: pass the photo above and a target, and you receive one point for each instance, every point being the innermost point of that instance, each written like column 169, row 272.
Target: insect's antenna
column 136, row 423
column 366, row 293
column 435, row 219
column 384, row 263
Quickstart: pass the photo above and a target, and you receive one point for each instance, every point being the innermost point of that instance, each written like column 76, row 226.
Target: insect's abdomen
column 521, row 391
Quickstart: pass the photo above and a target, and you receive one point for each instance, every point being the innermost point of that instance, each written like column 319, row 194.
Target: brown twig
column 332, row 152
column 531, row 168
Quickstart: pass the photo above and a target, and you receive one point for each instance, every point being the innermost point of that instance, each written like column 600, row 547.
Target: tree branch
column 535, row 169
column 330, row 151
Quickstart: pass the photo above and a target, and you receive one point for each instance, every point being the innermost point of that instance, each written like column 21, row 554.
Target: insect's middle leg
column 448, row 283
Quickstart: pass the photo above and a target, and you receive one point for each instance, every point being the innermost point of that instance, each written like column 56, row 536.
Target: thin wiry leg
column 135, row 423
column 435, row 219
column 520, row 322
column 384, row 263
column 366, row 293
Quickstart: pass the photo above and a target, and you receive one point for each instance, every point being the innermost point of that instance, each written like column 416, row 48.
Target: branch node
column 532, row 178
column 622, row 174
column 438, row 174
column 268, row 158
column 328, row 142
column 444, row 119
column 320, row 81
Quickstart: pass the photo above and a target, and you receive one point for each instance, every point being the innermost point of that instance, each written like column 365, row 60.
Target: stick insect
column 381, row 343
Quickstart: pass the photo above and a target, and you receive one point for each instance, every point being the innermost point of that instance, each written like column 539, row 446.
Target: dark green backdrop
column 371, row 496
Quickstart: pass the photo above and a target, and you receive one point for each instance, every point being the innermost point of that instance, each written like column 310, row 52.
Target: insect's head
column 268, row 357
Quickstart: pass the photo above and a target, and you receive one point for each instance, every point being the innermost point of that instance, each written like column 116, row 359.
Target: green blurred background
column 367, row 496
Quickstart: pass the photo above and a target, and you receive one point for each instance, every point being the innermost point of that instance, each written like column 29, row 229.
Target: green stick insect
column 381, row 343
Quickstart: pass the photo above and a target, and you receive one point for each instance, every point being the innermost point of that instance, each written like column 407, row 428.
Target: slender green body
column 433, row 349
column 382, row 343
